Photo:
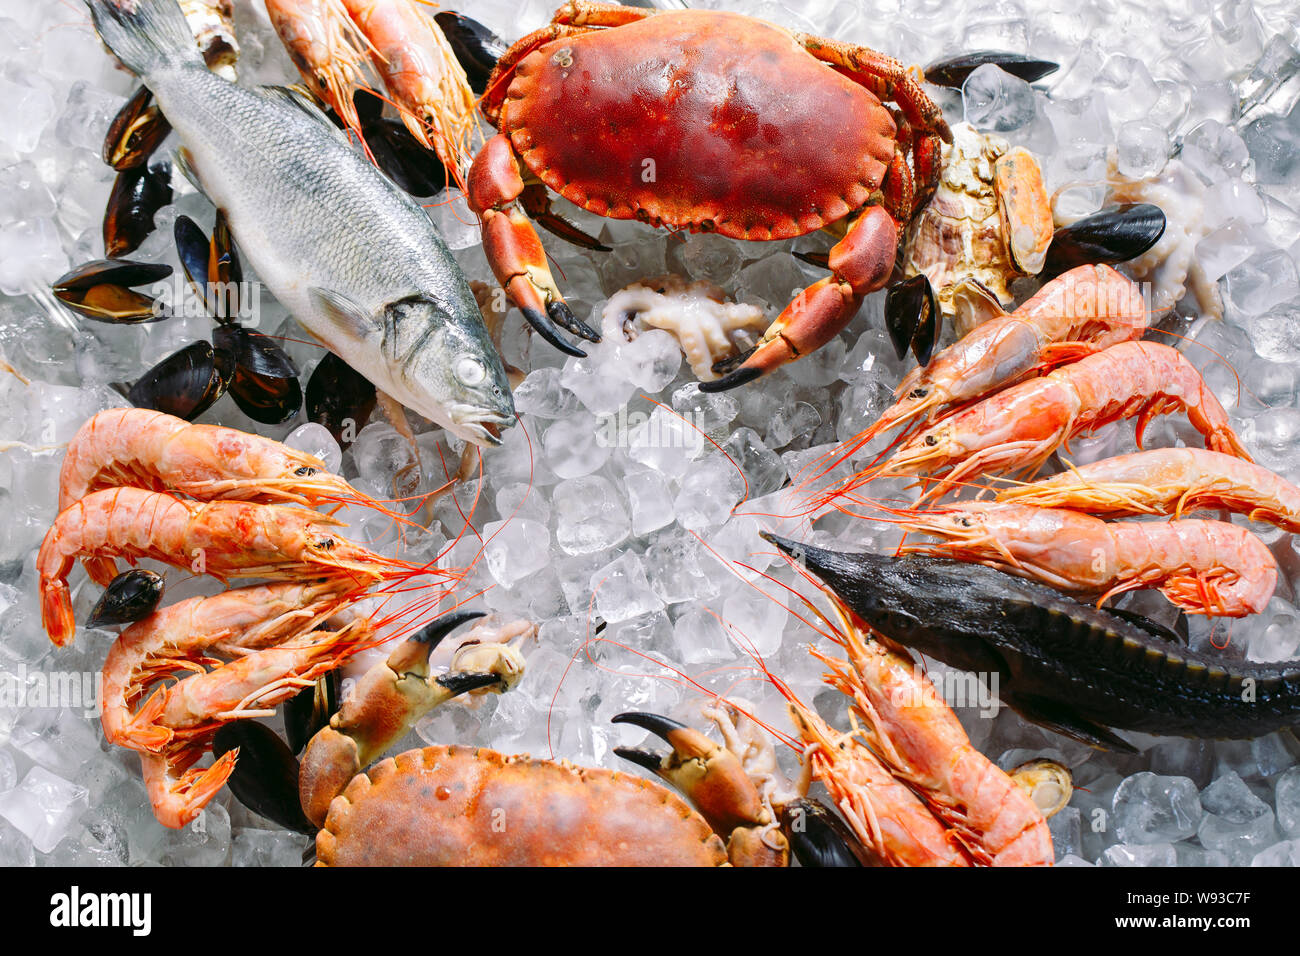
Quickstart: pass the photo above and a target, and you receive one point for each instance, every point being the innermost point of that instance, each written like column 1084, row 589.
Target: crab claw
column 860, row 263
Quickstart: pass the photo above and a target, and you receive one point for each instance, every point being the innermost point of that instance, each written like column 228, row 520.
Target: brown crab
column 708, row 122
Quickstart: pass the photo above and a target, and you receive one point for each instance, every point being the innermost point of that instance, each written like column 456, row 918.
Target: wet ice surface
column 607, row 519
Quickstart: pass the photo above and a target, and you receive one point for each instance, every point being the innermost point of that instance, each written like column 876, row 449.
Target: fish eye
column 471, row 371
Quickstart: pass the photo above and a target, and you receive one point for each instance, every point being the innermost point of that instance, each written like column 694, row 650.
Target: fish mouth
column 479, row 426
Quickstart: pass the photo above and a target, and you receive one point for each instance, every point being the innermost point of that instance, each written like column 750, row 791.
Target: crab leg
column 389, row 698
column 716, row 782
column 513, row 248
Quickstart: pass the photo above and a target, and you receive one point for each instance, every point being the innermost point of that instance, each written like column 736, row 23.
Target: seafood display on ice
column 890, row 456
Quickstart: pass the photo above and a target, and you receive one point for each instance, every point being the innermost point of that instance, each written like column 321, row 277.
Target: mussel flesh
column 103, row 290
column 135, row 132
column 138, row 193
column 1115, row 234
column 340, row 398
column 186, row 383
column 912, row 317
column 265, row 381
column 265, row 778
column 477, row 48
column 953, row 71
column 131, row 596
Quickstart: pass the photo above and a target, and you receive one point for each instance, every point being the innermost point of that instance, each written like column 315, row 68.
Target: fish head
column 453, row 365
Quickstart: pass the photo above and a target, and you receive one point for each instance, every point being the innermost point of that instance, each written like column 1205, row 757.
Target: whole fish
column 355, row 260
column 1074, row 668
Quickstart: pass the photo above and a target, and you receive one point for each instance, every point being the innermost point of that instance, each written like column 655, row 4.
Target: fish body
column 1072, row 667
column 353, row 257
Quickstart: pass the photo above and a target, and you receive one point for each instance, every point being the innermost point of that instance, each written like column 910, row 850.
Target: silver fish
column 355, row 260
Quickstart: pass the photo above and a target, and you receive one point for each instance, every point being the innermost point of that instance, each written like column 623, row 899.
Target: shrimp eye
column 964, row 522
column 931, row 440
column 325, row 544
column 916, row 393
column 306, row 471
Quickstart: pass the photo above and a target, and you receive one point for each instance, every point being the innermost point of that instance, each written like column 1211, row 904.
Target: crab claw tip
column 560, row 313
column 464, row 683
column 547, row 330
column 646, row 759
column 740, row 376
column 658, row 725
column 434, row 632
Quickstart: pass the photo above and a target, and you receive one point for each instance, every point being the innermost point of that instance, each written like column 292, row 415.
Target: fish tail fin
column 146, row 35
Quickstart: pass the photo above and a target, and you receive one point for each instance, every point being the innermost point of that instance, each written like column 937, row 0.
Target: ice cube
column 666, row 443
column 1143, row 148
column 651, row 360
column 1274, row 145
column 702, row 637
column 1286, row 853
column 1066, row 826
column 15, row 848
column 204, row 842
column 996, row 101
column 1152, row 809
column 622, row 589
column 1223, row 249
column 1152, row 854
column 591, row 379
column 44, row 807
column 710, row 257
column 1214, row 152
column 763, row 468
column 60, row 740
column 1236, row 821
column 577, row 445
column 1264, row 279
column 1287, row 799
column 589, row 515
column 86, row 116
column 543, row 394
column 24, row 112
column 1130, row 91
column 707, row 411
column 709, row 490
column 651, row 500
column 315, row 439
column 515, row 549
column 676, row 572
column 757, row 620
column 386, row 460
column 265, row 848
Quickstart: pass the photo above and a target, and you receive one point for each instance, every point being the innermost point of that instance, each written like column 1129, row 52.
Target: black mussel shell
column 103, row 290
column 820, row 838
column 912, row 317
column 265, row 381
column 340, row 398
column 223, row 257
column 131, row 596
column 211, row 265
column 192, row 248
column 415, row 169
column 265, row 778
column 953, row 71
column 310, row 710
column 477, row 48
column 186, row 383
column 135, row 132
column 1115, row 234
column 137, row 194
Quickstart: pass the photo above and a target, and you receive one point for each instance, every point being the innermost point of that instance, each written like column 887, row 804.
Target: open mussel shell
column 340, row 398
column 265, row 778
column 912, row 317
column 415, row 169
column 103, row 290
column 185, row 383
column 310, row 710
column 820, row 838
column 953, row 71
column 131, row 596
column 211, row 265
column 138, row 193
column 1115, row 234
column 135, row 132
column 477, row 48
column 265, row 380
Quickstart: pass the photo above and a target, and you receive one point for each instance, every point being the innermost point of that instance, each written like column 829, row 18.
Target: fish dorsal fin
column 343, row 312
column 297, row 96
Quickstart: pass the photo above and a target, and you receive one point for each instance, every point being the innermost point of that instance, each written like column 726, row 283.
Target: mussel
column 412, row 167
column 310, row 710
column 103, row 290
column 1115, row 234
column 265, row 778
column 138, row 193
column 477, row 48
column 211, row 265
column 820, row 838
column 340, row 398
column 265, row 380
column 912, row 317
column 131, row 596
column 953, row 71
column 186, row 383
column 135, row 132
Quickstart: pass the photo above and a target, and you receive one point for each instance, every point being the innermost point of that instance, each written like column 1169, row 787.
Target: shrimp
column 1167, row 481
column 326, row 48
column 154, row 450
column 181, row 635
column 428, row 85
column 223, row 538
column 1085, row 310
column 1020, row 427
column 1204, row 567
column 177, row 792
column 920, row 740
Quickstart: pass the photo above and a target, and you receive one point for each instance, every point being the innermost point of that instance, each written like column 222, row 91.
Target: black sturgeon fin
column 1062, row 720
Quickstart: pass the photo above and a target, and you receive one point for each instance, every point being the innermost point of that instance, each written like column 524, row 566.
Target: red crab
column 708, row 122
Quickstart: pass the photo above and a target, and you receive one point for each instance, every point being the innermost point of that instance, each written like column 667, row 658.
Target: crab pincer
column 714, row 780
